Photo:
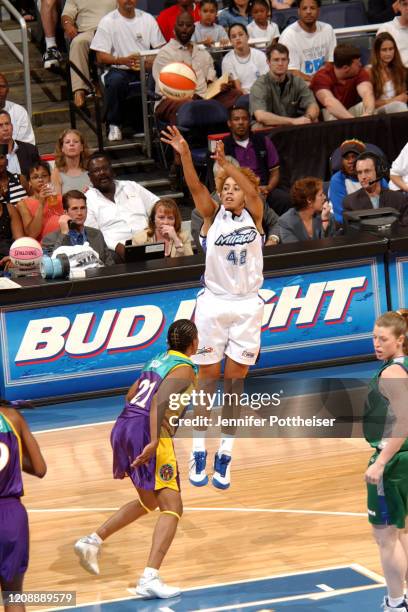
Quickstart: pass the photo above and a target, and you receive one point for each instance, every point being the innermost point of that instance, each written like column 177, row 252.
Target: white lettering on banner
column 343, row 290
column 340, row 292
column 289, row 301
column 185, row 309
column 122, row 337
column 43, row 339
column 77, row 342
column 133, row 328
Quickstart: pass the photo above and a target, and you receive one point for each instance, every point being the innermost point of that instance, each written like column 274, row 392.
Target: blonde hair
column 60, row 160
column 223, row 175
column 398, row 321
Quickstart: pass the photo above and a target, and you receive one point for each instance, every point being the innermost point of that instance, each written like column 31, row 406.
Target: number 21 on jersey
column 143, row 393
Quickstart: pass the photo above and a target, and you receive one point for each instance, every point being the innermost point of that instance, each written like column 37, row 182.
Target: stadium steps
column 51, row 116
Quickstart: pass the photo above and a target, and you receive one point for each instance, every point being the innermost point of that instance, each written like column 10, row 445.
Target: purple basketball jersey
column 11, row 482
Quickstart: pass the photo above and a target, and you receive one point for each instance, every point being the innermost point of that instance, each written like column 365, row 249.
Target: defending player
column 386, row 429
column 143, row 449
column 229, row 310
column 18, row 451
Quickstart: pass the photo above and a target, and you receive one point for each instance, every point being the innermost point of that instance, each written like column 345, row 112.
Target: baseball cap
column 352, row 146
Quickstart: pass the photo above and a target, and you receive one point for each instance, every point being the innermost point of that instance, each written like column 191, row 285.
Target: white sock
column 95, row 537
column 50, row 41
column 395, row 602
column 198, row 441
column 150, row 572
column 226, row 446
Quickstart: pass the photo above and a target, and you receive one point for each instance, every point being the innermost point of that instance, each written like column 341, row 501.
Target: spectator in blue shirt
column 237, row 11
column 345, row 181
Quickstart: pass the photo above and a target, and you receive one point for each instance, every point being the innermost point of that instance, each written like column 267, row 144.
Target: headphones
column 382, row 167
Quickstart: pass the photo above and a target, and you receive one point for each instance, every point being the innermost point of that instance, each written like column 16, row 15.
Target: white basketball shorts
column 227, row 326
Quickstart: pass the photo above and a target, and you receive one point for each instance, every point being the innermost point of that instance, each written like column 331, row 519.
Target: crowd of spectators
column 301, row 76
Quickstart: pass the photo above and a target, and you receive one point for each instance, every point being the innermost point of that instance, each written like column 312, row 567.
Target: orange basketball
column 177, row 81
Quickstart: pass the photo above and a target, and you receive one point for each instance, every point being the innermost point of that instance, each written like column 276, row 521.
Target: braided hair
column 181, row 334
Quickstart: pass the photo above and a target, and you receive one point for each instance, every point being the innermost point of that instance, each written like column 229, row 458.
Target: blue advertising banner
column 398, row 271
column 99, row 344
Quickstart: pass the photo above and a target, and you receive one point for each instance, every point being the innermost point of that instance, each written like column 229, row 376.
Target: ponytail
column 398, row 320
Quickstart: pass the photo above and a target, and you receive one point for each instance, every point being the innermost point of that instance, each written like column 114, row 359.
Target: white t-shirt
column 400, row 35
column 309, row 51
column 255, row 32
column 119, row 220
column 22, row 128
column 245, row 70
column 121, row 36
column 400, row 168
column 216, row 32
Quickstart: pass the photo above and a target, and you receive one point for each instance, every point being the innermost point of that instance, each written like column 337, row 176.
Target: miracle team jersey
column 234, row 259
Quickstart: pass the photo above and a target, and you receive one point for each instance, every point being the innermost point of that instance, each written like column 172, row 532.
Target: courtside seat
column 196, row 120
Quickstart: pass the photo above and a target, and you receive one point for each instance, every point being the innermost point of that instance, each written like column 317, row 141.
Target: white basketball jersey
column 234, row 259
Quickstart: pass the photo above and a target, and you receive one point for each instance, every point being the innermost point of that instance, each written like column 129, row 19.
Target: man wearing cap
column 345, row 181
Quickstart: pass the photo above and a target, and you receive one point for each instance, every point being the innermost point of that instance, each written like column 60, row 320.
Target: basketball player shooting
column 229, row 310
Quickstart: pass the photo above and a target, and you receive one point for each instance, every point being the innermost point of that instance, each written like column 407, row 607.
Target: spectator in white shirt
column 310, row 42
column 120, row 37
column 22, row 128
column 398, row 28
column 399, row 171
column 245, row 65
column 117, row 208
column 388, row 76
column 80, row 19
column 262, row 26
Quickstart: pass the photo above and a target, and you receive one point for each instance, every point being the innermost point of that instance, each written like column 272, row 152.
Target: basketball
column 26, row 253
column 177, row 81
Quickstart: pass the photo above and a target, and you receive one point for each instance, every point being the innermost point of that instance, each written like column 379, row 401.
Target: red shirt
column 167, row 19
column 51, row 215
column 345, row 92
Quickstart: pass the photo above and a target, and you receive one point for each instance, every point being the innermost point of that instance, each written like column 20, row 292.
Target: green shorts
column 387, row 502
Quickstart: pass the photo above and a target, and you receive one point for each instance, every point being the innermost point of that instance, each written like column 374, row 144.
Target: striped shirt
column 16, row 191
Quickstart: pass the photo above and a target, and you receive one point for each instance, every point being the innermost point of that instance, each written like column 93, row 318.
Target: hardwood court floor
column 213, row 544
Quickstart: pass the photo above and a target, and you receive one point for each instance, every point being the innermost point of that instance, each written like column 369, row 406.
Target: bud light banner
column 101, row 343
column 398, row 271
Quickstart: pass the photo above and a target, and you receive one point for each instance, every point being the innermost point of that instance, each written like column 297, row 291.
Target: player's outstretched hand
column 146, row 454
column 172, row 137
column 219, row 154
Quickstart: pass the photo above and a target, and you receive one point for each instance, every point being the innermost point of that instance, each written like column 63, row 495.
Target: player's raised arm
column 253, row 201
column 201, row 196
